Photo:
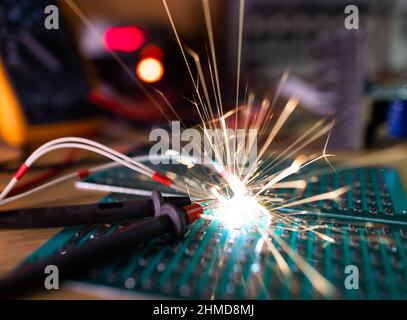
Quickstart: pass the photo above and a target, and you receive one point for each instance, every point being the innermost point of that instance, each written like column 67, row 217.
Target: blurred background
column 68, row 81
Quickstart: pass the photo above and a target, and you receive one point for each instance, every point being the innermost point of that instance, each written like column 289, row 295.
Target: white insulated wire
column 87, row 142
column 53, row 183
column 89, row 146
column 118, row 158
column 106, row 154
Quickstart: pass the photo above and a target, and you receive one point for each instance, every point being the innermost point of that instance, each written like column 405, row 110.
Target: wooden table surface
column 16, row 245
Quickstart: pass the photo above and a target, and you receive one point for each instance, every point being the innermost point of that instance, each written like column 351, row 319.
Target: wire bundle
column 84, row 144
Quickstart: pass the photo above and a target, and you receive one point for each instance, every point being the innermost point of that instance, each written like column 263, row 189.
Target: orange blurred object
column 150, row 70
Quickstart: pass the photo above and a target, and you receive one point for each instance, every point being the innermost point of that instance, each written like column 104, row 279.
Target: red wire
column 33, row 182
column 140, row 111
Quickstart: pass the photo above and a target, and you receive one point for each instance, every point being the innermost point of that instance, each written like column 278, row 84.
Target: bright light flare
column 237, row 186
column 150, row 70
column 240, row 209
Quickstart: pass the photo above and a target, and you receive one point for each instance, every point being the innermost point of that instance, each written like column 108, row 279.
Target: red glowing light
column 152, row 51
column 125, row 39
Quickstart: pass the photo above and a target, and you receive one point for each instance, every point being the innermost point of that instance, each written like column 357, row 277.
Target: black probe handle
column 83, row 214
column 81, row 259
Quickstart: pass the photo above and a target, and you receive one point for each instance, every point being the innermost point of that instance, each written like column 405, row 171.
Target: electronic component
column 84, row 214
column 213, row 261
column 43, row 85
column 376, row 192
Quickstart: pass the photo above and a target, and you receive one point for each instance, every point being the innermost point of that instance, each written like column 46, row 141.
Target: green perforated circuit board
column 369, row 226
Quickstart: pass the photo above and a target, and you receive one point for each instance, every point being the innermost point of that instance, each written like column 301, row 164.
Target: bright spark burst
column 245, row 199
column 240, row 199
column 248, row 208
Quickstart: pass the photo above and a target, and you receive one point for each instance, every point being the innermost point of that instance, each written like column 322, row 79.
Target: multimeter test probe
column 168, row 220
column 78, row 215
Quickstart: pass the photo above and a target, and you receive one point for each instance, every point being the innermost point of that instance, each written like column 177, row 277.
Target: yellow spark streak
column 323, row 196
column 206, row 135
column 282, row 264
column 208, row 110
column 325, row 237
column 280, row 86
column 303, row 145
column 251, row 170
column 318, row 281
column 182, row 51
column 298, row 140
column 316, row 159
column 169, row 105
column 218, row 109
column 288, row 109
column 239, row 57
column 217, row 195
column 208, row 20
column 295, row 166
column 198, row 65
column 296, row 184
column 326, row 145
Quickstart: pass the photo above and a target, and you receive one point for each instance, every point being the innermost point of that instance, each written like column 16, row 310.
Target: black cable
column 85, row 214
column 169, row 220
